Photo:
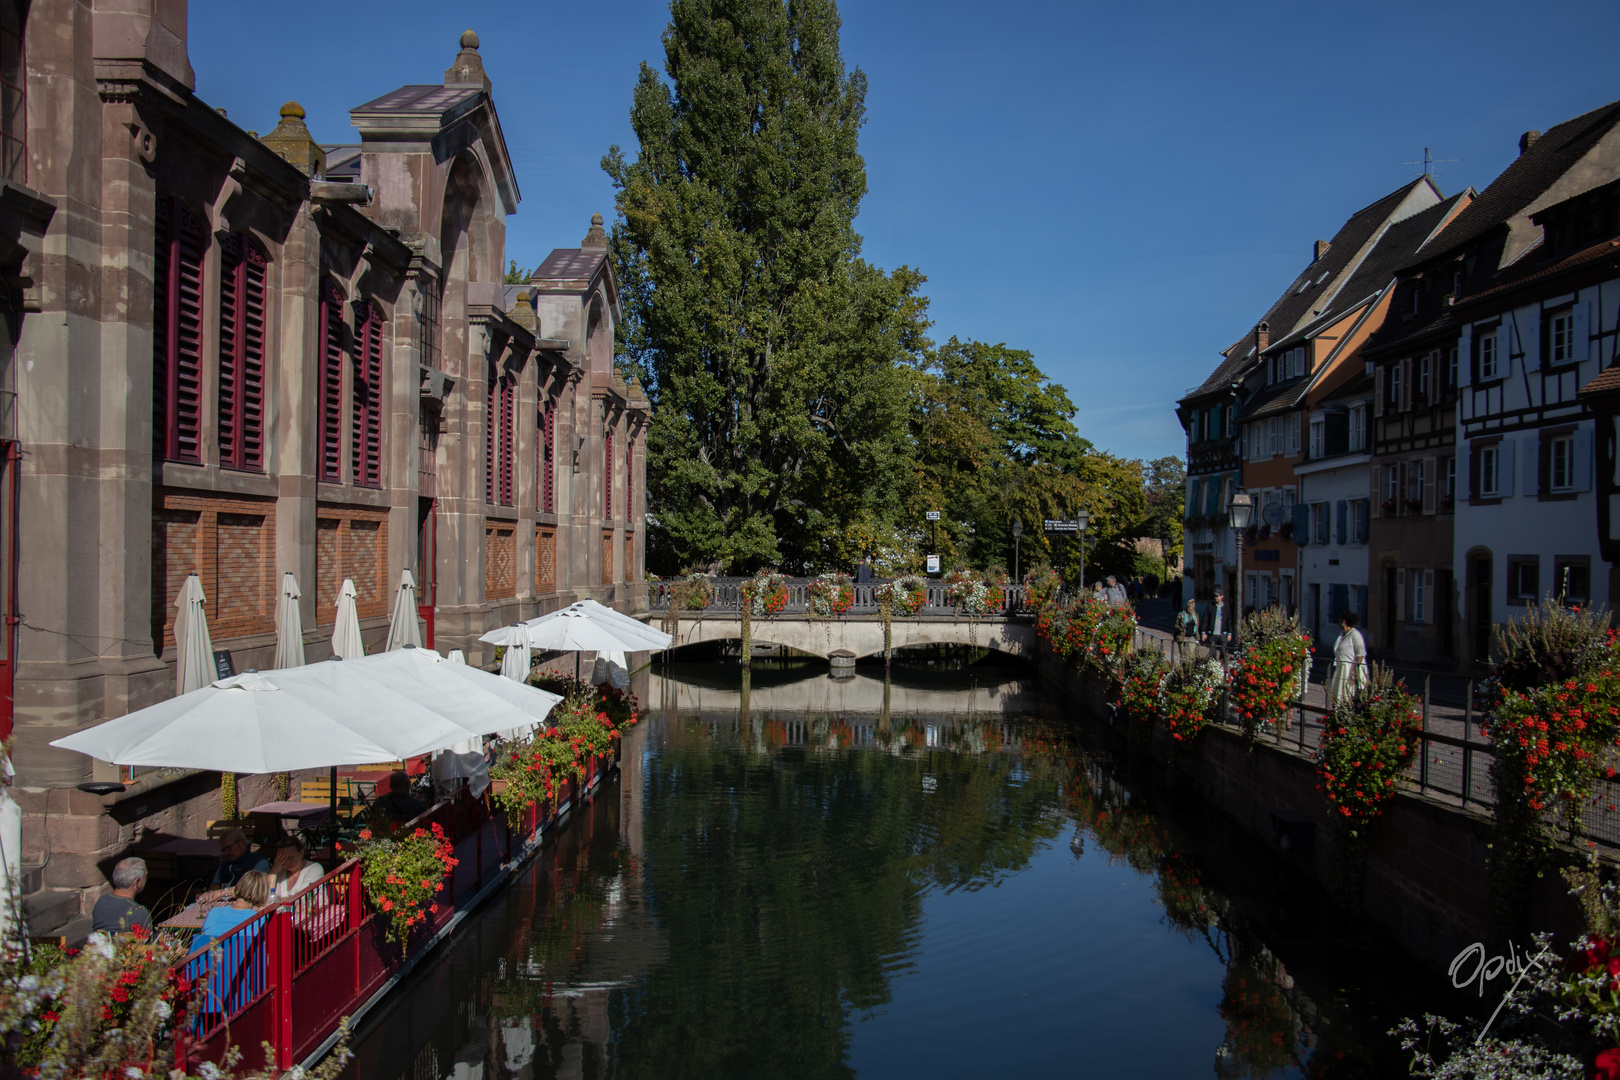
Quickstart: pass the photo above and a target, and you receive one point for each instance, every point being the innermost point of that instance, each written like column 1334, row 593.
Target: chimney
column 1262, row 338
column 1527, row 140
column 1320, row 250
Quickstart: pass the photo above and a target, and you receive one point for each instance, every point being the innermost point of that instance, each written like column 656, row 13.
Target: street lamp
column 1082, row 518
column 1239, row 514
column 1018, row 533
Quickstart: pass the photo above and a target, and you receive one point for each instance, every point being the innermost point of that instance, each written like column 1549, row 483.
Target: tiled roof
column 1528, row 274
column 569, row 266
column 445, row 102
column 1359, row 385
column 343, row 162
column 1313, row 287
column 1530, row 174
column 1272, row 400
column 1606, row 382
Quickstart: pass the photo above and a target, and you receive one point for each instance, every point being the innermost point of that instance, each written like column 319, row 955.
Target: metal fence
column 728, row 598
column 1454, row 765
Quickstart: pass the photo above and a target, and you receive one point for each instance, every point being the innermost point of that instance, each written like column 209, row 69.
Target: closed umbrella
column 457, row 657
column 193, row 646
column 378, row 708
column 402, row 629
column 515, row 662
column 289, row 625
column 346, row 631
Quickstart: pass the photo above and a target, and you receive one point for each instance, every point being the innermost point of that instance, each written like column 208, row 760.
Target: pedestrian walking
column 1098, row 596
column 1115, row 591
column 1217, row 621
column 1187, row 622
column 863, row 572
column 1349, row 662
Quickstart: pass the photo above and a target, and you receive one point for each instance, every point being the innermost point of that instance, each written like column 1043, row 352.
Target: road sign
column 932, row 515
column 1060, row 526
column 1273, row 514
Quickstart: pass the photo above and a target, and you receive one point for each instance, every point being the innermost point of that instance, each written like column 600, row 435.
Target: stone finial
column 469, row 66
column 523, row 312
column 596, row 237
column 292, row 141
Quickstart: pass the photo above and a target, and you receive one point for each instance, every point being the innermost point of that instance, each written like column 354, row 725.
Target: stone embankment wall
column 1427, row 882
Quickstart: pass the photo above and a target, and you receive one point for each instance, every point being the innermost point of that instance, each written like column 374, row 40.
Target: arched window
column 367, row 389
column 242, row 297
column 177, row 333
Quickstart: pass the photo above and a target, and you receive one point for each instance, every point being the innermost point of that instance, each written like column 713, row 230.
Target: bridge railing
column 727, row 598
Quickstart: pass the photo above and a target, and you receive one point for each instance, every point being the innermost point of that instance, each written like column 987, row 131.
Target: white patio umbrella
column 193, row 646
column 402, row 629
column 289, row 625
column 378, row 708
column 346, row 631
column 633, row 629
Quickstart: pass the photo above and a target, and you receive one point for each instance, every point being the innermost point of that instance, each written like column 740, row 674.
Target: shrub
column 1365, row 746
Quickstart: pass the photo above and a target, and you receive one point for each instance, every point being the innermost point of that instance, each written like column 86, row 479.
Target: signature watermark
column 1485, row 968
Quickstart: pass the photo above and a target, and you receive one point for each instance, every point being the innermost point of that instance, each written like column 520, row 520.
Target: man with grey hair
column 236, row 858
column 117, row 912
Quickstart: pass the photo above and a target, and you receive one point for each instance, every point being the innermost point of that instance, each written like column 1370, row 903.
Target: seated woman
column 251, row 892
column 293, row 872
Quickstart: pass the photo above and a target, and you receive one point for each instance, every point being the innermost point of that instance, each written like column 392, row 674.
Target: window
column 1291, row 424
column 1227, row 427
column 1318, row 438
column 1490, row 486
column 545, row 458
column 1417, row 582
column 1274, row 437
column 1358, row 427
column 1561, row 463
column 1424, row 366
column 1392, row 490
column 241, row 355
column 1560, row 336
column 1448, row 471
column 329, row 435
column 607, row 481
column 367, row 393
column 1451, row 368
column 13, row 95
column 1319, row 523
column 427, row 323
column 1396, row 370
column 1296, row 362
column 177, row 333
column 498, row 450
column 1524, row 579
column 1572, row 578
column 1358, row 521
column 1485, row 343
column 1414, row 487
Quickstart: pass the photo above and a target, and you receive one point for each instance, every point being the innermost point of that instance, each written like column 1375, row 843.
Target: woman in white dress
column 1349, row 662
column 293, row 873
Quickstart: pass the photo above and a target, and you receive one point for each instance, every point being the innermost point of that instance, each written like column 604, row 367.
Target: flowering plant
column 906, row 596
column 530, row 773
column 694, row 592
column 1366, row 743
column 621, row 706
column 1052, row 627
column 1271, row 673
column 1041, row 587
column 766, row 593
column 830, row 594
column 1100, row 635
column 1141, row 679
column 1190, row 695
column 401, row 875
column 976, row 593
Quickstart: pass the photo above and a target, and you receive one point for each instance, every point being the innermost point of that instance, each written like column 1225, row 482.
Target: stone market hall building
column 239, row 356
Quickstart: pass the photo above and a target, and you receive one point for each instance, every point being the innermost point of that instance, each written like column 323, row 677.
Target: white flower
column 28, row 984
column 209, row 1071
column 99, row 944
column 163, row 1009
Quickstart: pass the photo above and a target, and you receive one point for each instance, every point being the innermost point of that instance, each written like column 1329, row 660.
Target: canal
column 939, row 875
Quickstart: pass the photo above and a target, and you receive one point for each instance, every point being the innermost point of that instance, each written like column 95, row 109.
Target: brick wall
column 500, row 560
column 351, row 542
column 228, row 542
column 545, row 559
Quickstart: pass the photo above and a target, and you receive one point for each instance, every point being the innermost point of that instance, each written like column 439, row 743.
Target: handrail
column 727, row 598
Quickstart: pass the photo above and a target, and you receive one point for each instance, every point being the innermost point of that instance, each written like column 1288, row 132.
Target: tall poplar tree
column 774, row 355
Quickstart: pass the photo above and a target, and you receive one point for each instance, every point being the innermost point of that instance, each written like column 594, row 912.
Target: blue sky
column 1120, row 188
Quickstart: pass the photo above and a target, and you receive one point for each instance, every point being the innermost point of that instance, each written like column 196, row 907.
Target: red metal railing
column 288, row 976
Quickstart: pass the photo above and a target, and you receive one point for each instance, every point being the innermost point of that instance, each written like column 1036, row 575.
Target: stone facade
column 237, row 356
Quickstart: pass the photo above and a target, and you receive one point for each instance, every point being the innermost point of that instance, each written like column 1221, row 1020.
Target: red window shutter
column 508, row 446
column 330, row 450
column 366, row 447
column 241, row 355
column 177, row 333
column 607, row 475
column 491, row 389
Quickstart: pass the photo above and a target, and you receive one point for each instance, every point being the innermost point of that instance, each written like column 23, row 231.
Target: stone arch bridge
column 858, row 631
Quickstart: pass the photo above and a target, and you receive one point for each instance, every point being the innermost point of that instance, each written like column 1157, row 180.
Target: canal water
column 940, row 874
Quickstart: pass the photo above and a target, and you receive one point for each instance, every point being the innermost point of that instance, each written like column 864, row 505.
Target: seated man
column 399, row 804
column 236, row 858
column 117, row 912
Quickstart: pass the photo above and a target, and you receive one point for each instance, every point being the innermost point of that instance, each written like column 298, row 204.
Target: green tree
column 775, row 357
column 517, row 275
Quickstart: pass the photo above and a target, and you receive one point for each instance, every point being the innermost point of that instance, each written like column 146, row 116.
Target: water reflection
column 814, row 877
